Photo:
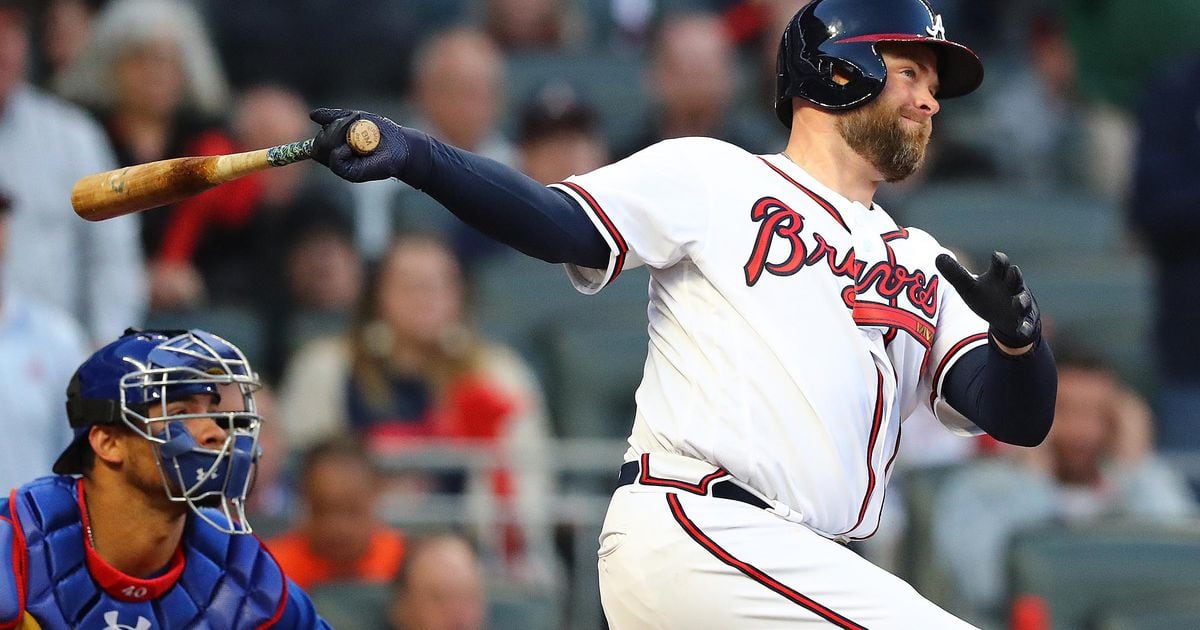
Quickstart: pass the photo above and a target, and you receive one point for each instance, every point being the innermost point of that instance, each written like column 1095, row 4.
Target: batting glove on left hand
column 999, row 296
column 330, row 148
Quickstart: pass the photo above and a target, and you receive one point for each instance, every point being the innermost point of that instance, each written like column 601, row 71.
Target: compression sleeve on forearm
column 1011, row 398
column 504, row 203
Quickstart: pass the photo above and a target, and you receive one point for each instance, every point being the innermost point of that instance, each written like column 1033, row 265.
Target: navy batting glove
column 999, row 296
column 330, row 148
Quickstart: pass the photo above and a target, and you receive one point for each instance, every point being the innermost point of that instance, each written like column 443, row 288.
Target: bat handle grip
column 290, row 153
column 362, row 136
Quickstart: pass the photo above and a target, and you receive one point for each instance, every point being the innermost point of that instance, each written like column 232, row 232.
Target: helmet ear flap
column 82, row 412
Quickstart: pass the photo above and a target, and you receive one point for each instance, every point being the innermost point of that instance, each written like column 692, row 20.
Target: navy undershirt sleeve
column 1011, row 398
column 503, row 203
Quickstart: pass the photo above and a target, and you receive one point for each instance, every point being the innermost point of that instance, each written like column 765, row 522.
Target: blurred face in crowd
column 892, row 131
column 324, row 271
column 14, row 50
column 458, row 87
column 528, row 22
column 421, row 291
column 556, row 157
column 67, row 24
column 693, row 70
column 1083, row 423
column 340, row 496
column 149, row 78
column 443, row 590
column 270, row 116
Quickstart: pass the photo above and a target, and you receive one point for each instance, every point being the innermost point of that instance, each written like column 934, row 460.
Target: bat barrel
column 125, row 190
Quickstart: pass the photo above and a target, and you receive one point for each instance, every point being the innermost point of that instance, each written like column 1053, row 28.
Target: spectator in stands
column 1042, row 132
column 66, row 25
column 457, row 95
column 1165, row 208
column 410, row 372
column 269, row 504
column 531, row 25
column 327, row 51
column 692, row 79
column 559, row 135
column 242, row 259
column 91, row 270
column 440, row 587
column 1097, row 463
column 151, row 75
column 41, row 348
column 340, row 536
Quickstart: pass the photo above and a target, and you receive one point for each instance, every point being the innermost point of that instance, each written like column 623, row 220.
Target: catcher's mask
column 134, row 380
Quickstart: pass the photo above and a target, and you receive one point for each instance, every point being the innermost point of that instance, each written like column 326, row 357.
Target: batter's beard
column 876, row 132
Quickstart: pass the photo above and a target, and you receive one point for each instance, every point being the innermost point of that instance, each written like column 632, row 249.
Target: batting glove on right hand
column 330, row 148
column 999, row 296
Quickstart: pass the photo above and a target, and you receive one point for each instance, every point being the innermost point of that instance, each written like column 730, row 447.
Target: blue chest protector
column 226, row 581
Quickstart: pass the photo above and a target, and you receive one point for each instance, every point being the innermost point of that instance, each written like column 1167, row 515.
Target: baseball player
column 793, row 326
column 164, row 424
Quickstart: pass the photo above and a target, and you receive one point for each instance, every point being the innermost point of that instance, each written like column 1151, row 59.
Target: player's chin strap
column 224, row 474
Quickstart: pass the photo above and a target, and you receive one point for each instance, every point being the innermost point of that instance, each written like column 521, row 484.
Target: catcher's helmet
column 131, row 381
column 840, row 35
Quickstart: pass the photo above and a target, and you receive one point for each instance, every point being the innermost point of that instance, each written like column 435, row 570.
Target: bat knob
column 363, row 137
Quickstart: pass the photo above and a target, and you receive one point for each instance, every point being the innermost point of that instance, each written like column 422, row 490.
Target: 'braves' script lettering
column 889, row 279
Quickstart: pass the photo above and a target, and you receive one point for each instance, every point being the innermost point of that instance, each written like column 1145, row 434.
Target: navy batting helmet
column 839, row 36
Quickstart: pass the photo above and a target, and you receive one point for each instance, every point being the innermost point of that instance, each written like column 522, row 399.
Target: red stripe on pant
column 753, row 572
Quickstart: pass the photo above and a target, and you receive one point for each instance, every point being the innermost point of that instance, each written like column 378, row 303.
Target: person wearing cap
column 559, row 135
column 42, row 346
column 143, row 523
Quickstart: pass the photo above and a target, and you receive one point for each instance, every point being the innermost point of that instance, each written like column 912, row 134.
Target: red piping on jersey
column 20, row 557
column 891, row 236
column 283, row 598
column 876, row 423
column 872, row 314
column 622, row 246
column 937, row 375
column 815, row 197
column 886, row 472
column 646, row 479
column 752, row 572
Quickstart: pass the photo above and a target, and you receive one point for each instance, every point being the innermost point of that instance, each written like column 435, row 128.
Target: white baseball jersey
column 791, row 330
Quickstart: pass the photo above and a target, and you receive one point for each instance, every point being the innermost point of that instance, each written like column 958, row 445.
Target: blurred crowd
column 355, row 301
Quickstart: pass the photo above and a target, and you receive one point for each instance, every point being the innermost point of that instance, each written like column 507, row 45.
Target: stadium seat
column 595, row 361
column 920, row 488
column 516, row 298
column 1081, row 572
column 511, row 608
column 611, row 81
column 979, row 217
column 240, row 326
column 352, row 605
column 1151, row 613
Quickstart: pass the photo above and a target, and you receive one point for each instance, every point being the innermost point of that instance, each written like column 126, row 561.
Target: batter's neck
column 820, row 150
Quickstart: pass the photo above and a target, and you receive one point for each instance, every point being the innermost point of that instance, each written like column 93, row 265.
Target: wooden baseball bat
column 143, row 186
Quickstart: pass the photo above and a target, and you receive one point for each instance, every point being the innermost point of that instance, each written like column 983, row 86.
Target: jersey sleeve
column 958, row 330
column 652, row 207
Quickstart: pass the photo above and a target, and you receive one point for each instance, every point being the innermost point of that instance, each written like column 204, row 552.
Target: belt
column 630, row 471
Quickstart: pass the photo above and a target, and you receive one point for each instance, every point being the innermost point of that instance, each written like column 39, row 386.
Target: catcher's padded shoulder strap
column 11, row 582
